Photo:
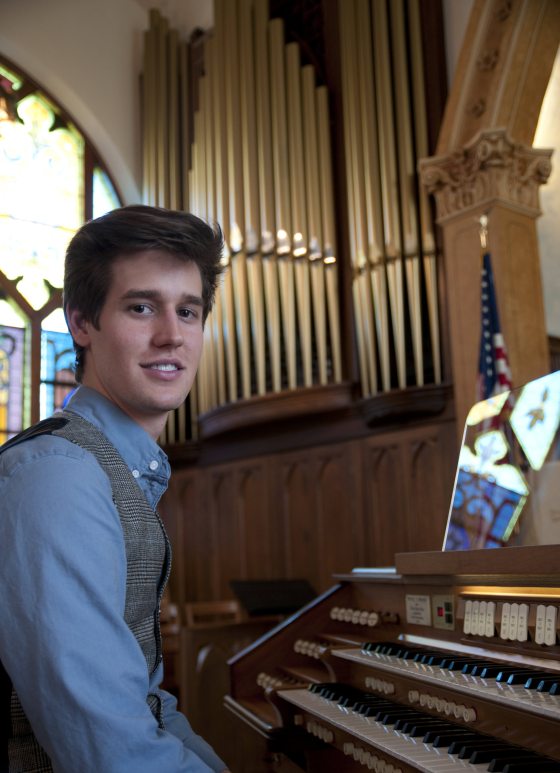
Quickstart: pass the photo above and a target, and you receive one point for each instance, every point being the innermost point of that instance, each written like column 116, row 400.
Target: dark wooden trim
column 518, row 563
column 274, row 407
column 405, row 404
column 292, row 421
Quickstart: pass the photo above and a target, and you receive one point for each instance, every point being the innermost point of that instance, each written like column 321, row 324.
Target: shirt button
column 153, row 465
column 135, row 474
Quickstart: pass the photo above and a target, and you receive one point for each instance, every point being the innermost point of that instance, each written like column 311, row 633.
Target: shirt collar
column 139, row 451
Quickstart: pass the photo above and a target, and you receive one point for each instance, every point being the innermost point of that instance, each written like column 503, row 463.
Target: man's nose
column 168, row 330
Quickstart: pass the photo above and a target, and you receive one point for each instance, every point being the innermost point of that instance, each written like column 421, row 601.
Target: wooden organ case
column 449, row 663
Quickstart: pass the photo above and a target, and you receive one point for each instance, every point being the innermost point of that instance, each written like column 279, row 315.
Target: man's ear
column 78, row 326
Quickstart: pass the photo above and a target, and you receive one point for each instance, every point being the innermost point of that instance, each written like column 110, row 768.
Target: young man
column 84, row 555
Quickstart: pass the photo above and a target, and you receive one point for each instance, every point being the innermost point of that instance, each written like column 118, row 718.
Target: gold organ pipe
column 422, row 151
column 173, row 119
column 389, row 182
column 407, row 179
column 194, row 398
column 282, row 194
column 371, row 174
column 251, row 193
column 348, row 140
column 207, row 197
column 359, row 182
column 184, row 112
column 149, row 114
column 162, row 110
column 215, row 320
column 266, row 192
column 327, row 221
column 315, row 241
column 235, row 185
column 226, row 299
column 299, row 218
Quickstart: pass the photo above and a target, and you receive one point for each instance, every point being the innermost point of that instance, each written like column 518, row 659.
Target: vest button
column 135, row 473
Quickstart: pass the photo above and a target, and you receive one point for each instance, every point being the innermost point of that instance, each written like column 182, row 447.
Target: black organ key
column 515, row 675
column 464, row 747
column 491, row 672
column 502, row 759
column 546, row 684
column 475, row 668
column 489, row 755
column 442, row 739
column 447, row 730
column 541, row 765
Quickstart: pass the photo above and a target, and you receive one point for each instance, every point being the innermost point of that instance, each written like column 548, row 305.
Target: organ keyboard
column 448, row 663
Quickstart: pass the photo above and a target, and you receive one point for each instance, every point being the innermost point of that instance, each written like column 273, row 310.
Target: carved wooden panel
column 310, row 513
column 432, row 461
column 385, row 482
column 320, row 508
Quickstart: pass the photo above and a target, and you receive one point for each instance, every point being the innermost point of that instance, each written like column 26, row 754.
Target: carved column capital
column 490, row 169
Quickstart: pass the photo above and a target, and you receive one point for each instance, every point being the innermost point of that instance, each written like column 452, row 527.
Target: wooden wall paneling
column 227, row 554
column 296, row 512
column 341, row 532
column 431, row 464
column 261, row 558
column 321, row 511
column 238, row 505
column 385, row 500
column 185, row 513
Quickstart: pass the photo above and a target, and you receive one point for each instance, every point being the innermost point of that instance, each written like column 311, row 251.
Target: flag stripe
column 494, row 374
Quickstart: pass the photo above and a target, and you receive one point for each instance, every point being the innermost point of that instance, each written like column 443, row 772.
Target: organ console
column 448, row 662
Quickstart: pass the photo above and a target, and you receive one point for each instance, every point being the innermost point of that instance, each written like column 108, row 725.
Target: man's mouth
column 163, row 366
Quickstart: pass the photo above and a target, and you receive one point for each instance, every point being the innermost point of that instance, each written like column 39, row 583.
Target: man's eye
column 187, row 313
column 140, row 308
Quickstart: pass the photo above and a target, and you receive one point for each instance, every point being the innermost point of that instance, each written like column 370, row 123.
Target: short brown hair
column 98, row 243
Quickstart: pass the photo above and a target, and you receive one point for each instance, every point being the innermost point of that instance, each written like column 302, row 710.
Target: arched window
column 51, row 181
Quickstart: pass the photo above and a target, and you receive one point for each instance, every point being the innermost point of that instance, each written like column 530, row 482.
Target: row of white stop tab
column 480, row 620
column 354, row 616
column 370, row 760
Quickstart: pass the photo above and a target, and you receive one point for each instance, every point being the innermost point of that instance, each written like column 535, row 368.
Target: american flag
column 494, row 375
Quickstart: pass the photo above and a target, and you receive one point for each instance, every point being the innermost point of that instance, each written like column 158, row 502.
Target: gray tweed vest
column 148, row 556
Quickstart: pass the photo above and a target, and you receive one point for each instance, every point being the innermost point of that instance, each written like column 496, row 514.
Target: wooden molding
column 275, row 407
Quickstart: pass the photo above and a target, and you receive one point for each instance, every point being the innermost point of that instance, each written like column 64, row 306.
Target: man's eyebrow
column 155, row 295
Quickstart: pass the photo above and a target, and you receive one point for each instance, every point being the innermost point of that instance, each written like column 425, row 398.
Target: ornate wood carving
column 492, row 167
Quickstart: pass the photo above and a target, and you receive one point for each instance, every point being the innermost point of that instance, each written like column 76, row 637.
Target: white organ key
column 401, row 748
column 468, row 688
column 522, row 620
column 550, row 626
column 504, row 628
column 481, row 621
column 540, row 624
column 490, row 618
column 467, row 622
column 513, row 618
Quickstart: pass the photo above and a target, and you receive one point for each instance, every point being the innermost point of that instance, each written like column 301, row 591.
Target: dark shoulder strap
column 45, row 427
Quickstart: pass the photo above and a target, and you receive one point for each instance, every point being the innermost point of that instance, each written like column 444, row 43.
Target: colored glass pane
column 12, row 341
column 57, row 361
column 43, row 181
column 41, row 197
column 104, row 194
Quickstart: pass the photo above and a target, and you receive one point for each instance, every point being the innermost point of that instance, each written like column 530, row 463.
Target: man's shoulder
column 41, row 448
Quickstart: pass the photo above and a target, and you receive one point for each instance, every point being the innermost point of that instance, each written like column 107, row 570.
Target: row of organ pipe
column 258, row 160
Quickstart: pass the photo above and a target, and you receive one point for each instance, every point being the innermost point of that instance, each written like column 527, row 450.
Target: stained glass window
column 51, row 181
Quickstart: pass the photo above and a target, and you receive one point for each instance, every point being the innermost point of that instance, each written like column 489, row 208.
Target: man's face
column 146, row 352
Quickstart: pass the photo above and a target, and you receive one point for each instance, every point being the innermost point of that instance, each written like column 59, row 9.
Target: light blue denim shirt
column 78, row 670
